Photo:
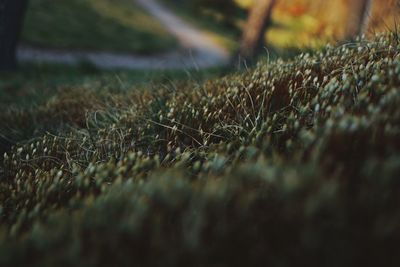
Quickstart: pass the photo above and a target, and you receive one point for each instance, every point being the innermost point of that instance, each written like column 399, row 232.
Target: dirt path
column 197, row 50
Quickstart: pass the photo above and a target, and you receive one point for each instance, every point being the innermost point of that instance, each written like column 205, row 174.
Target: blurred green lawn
column 98, row 25
column 35, row 83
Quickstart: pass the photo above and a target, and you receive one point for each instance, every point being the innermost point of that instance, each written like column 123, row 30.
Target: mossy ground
column 290, row 163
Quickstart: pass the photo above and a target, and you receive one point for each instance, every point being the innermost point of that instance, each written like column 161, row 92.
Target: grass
column 98, row 25
column 290, row 163
column 35, row 83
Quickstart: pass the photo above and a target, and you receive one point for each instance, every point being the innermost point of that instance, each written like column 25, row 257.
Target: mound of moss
column 291, row 163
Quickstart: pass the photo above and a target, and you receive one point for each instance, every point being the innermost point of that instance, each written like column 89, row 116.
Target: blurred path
column 197, row 50
column 203, row 48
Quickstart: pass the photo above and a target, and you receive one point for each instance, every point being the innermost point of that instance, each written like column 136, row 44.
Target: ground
column 288, row 163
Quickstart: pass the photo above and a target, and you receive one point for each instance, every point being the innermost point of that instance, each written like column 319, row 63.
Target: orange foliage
column 333, row 14
column 297, row 10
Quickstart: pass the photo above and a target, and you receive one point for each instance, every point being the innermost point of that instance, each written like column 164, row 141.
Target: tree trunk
column 357, row 17
column 11, row 18
column 253, row 33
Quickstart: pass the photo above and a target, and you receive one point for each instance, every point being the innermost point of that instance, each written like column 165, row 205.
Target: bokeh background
column 123, row 26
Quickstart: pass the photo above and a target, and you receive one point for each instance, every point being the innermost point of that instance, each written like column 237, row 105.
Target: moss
column 292, row 162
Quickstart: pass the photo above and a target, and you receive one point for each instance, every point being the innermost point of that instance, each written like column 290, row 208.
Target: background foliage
column 96, row 25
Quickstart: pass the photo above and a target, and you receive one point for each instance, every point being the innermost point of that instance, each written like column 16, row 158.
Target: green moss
column 290, row 163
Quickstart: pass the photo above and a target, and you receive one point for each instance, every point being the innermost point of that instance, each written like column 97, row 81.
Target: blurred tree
column 254, row 31
column 11, row 18
column 384, row 15
column 358, row 15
